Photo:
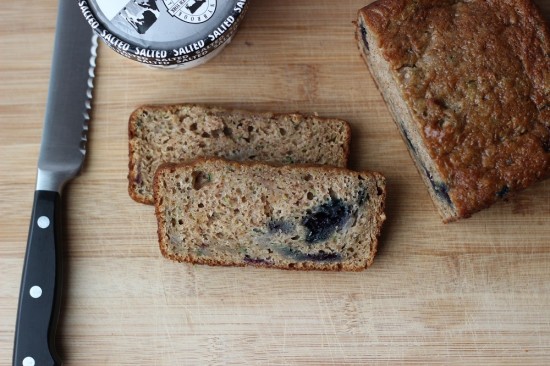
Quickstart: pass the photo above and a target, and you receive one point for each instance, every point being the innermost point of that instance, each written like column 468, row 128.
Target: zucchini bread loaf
column 177, row 133
column 468, row 85
column 220, row 212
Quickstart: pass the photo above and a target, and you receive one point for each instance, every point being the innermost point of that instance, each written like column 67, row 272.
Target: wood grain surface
column 473, row 292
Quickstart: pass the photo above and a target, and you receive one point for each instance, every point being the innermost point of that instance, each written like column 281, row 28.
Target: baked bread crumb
column 178, row 133
column 220, row 212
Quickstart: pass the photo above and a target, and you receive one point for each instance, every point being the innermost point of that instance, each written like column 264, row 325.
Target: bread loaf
column 220, row 212
column 468, row 85
column 177, row 133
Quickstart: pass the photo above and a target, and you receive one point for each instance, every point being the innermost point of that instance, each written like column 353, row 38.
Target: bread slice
column 177, row 133
column 221, row 212
column 468, row 85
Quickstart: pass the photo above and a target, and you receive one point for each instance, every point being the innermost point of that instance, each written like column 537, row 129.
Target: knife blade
column 62, row 152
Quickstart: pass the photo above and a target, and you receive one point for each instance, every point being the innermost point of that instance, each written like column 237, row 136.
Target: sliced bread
column 178, row 133
column 220, row 212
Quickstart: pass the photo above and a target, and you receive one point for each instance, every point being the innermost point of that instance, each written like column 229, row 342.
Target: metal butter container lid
column 165, row 33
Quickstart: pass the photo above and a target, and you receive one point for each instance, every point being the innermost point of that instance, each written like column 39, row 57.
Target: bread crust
column 133, row 171
column 479, row 116
column 162, row 229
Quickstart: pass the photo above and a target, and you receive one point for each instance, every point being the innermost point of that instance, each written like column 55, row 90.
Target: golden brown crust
column 172, row 167
column 476, row 78
column 378, row 14
column 303, row 267
column 134, row 179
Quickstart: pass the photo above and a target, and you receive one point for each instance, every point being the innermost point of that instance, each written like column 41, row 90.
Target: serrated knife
column 62, row 152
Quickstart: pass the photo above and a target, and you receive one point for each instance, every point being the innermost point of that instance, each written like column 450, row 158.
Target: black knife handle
column 41, row 284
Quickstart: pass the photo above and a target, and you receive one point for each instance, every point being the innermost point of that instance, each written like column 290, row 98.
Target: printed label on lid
column 111, row 7
column 141, row 14
column 191, row 11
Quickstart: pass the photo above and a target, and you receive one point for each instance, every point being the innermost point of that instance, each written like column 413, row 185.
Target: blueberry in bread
column 176, row 133
column 220, row 212
column 468, row 85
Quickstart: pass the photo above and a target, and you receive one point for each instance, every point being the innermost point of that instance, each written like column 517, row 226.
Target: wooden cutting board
column 472, row 292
